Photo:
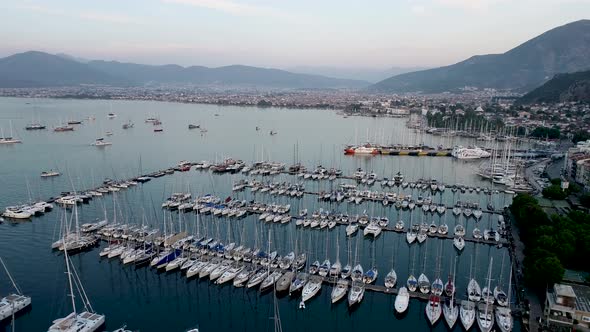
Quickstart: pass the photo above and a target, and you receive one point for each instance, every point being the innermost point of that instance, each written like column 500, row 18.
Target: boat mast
column 69, row 273
column 10, row 277
column 489, row 281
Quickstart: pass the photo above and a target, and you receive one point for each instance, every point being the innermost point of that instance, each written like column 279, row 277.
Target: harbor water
column 146, row 300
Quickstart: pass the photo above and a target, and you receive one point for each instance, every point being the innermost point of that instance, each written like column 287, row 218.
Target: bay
column 149, row 301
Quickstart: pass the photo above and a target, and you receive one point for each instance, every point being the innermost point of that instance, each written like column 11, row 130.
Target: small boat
column 437, row 287
column 450, row 312
column 192, row 126
column 63, row 128
column 433, row 309
column 351, row 229
column 424, row 284
column 467, row 314
column 299, row 282
column 270, row 280
column 311, row 288
column 257, row 278
column 346, row 271
column 370, row 276
column 402, row 300
column 357, row 273
column 50, row 173
column 485, row 317
column 12, row 303
column 473, row 291
column 339, row 290
column 356, row 293
column 111, row 115
column 324, row 269
column 390, row 279
column 284, row 283
column 504, row 319
column 412, row 283
column 459, row 243
column 100, row 142
column 244, row 276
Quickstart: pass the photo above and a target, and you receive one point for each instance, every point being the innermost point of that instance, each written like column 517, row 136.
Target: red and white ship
column 367, row 148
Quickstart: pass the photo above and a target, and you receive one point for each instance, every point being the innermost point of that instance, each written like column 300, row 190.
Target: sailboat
column 402, row 300
column 391, row 277
column 8, row 139
column 433, row 309
column 499, row 293
column 14, row 302
column 467, row 314
column 450, row 310
column 412, row 283
column 339, row 290
column 356, row 293
column 423, row 282
column 311, row 288
column 336, row 268
column 85, row 321
column 504, row 314
column 485, row 317
column 473, row 289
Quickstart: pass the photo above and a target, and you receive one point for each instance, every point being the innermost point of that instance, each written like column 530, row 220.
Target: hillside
column 561, row 88
column 38, row 69
column 561, row 50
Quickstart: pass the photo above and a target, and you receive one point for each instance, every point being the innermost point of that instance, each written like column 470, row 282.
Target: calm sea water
column 148, row 301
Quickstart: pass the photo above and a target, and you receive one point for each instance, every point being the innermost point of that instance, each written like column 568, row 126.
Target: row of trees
column 551, row 243
column 545, row 132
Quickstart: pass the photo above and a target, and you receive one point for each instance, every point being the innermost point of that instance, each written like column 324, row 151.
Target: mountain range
column 372, row 75
column 561, row 88
column 39, row 69
column 563, row 49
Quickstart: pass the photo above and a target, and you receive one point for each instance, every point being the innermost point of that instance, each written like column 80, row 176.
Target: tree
column 580, row 135
column 585, row 200
column 554, row 192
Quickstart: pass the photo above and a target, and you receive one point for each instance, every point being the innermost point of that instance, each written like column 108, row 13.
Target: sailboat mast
column 10, row 277
column 69, row 273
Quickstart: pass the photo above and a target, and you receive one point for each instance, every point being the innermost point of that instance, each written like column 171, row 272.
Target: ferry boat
column 367, row 148
column 468, row 153
column 35, row 126
column 63, row 128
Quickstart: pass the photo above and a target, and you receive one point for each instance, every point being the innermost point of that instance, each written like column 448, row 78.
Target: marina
column 169, row 214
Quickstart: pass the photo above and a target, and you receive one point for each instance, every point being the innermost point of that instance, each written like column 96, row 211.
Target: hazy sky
column 280, row 33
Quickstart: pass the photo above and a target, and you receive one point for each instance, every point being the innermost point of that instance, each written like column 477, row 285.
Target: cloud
column 232, row 7
column 87, row 15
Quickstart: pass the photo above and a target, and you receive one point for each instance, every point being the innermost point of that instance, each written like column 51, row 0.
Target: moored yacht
column 339, row 290
column 311, row 288
column 433, row 309
column 467, row 314
column 356, row 293
column 402, row 300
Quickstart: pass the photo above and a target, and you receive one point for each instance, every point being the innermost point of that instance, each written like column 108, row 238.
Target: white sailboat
column 14, row 302
column 402, row 300
column 356, row 293
column 85, row 321
column 339, row 290
column 412, row 283
column 450, row 310
column 485, row 317
column 433, row 309
column 504, row 314
column 467, row 314
column 311, row 288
